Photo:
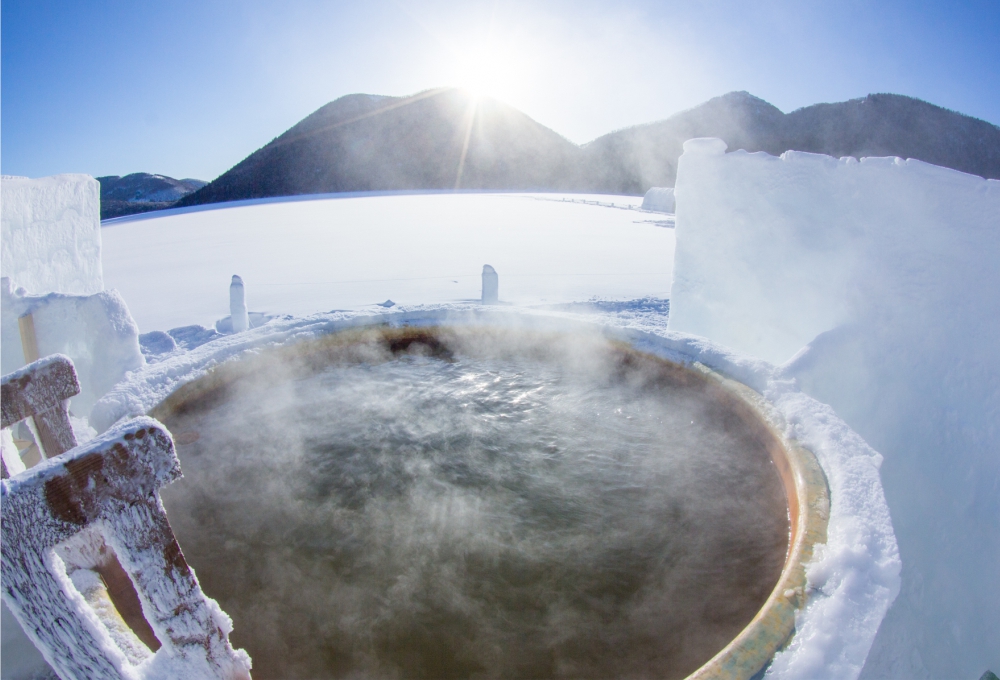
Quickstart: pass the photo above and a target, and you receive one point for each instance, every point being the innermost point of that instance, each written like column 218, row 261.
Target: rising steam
column 476, row 509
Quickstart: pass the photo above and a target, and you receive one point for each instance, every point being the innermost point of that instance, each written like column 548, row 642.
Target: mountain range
column 447, row 139
column 632, row 160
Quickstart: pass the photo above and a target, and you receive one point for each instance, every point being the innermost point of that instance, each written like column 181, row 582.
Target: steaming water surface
column 475, row 517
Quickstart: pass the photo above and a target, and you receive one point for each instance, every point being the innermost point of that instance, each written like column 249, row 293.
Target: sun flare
column 488, row 71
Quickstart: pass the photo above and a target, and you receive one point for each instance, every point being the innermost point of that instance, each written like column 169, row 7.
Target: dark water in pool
column 476, row 517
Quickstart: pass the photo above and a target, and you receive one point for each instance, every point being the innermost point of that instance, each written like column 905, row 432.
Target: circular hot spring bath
column 450, row 502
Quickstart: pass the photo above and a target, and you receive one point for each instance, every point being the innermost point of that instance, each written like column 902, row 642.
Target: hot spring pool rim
column 802, row 477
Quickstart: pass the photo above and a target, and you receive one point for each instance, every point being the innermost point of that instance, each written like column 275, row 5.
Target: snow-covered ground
column 305, row 256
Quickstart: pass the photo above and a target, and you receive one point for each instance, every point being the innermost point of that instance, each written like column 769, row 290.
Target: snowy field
column 305, row 256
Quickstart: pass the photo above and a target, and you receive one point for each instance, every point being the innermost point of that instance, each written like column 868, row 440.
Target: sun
column 487, row 71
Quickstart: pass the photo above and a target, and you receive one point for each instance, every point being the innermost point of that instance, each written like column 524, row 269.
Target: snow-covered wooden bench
column 91, row 567
column 39, row 391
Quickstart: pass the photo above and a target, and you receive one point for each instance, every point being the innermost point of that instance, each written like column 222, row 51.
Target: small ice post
column 238, row 305
column 491, row 285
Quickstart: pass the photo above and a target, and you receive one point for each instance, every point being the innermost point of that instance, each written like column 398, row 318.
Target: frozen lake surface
column 306, row 256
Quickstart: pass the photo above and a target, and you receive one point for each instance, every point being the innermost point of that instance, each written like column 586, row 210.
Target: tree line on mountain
column 142, row 192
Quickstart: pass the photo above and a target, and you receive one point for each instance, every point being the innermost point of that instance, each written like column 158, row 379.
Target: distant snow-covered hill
column 141, row 192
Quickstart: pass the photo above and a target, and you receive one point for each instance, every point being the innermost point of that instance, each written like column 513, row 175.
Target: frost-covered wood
column 110, row 484
column 39, row 391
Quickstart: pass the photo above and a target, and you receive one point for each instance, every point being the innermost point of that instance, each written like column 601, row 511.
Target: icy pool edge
column 851, row 580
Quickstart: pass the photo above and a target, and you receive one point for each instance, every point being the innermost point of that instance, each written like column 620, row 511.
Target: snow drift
column 659, row 199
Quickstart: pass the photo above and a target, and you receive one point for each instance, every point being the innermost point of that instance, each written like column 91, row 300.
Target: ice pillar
column 491, row 285
column 238, row 305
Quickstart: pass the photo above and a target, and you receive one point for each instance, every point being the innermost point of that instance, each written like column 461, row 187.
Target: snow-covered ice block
column 51, row 231
column 95, row 331
column 767, row 248
column 659, row 199
column 886, row 270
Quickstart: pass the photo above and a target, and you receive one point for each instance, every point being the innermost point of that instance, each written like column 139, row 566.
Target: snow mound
column 659, row 199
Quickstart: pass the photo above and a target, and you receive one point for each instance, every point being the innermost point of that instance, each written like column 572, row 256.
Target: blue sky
column 189, row 88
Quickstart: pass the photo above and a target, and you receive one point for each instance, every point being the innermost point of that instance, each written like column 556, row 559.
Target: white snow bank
column 95, row 331
column 51, row 234
column 887, row 269
column 853, row 579
column 659, row 199
column 307, row 256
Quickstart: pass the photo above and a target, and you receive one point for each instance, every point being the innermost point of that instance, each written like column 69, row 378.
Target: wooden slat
column 29, row 341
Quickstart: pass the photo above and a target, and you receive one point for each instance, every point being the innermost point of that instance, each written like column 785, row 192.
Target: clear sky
column 188, row 88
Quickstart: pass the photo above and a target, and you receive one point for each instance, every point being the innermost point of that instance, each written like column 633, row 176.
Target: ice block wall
column 51, row 234
column 877, row 282
column 95, row 331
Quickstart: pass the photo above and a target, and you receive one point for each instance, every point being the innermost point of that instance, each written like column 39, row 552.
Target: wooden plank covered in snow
column 110, row 484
